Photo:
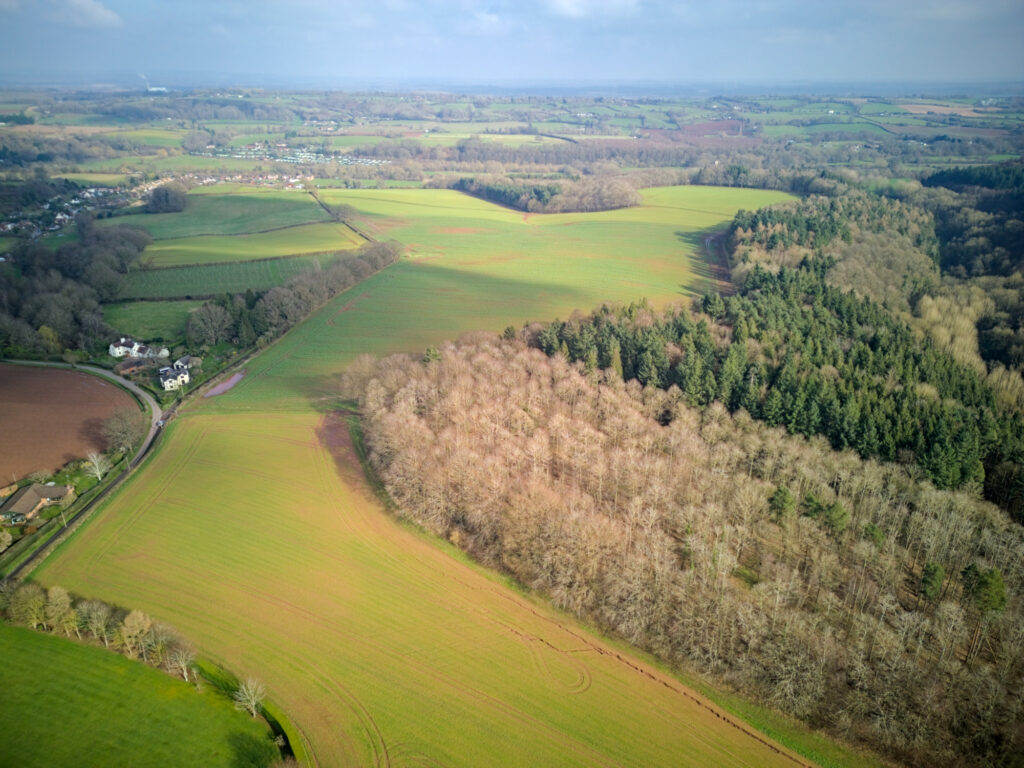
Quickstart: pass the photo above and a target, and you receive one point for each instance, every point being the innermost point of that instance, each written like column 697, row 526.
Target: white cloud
column 581, row 9
column 83, row 13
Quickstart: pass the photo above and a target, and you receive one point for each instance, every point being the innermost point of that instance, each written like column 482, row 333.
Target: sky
column 360, row 43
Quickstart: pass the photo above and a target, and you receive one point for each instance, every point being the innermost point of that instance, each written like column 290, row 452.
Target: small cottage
column 26, row 503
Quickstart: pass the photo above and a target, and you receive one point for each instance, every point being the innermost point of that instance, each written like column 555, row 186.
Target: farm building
column 128, row 347
column 26, row 503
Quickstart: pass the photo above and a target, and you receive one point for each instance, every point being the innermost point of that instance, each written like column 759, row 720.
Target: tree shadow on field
column 443, row 294
column 249, row 751
column 707, row 261
column 92, row 432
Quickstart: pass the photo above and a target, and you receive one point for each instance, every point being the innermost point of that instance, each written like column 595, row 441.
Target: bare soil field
column 50, row 416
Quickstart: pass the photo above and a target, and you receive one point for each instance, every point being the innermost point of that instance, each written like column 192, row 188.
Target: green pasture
column 171, row 162
column 326, row 237
column 781, row 130
column 251, row 138
column 150, row 137
column 65, row 704
column 255, row 210
column 344, row 142
column 473, row 265
column 94, row 179
column 252, row 531
column 368, row 183
column 384, row 646
column 151, row 320
column 879, row 108
column 856, row 128
column 7, row 243
column 210, row 279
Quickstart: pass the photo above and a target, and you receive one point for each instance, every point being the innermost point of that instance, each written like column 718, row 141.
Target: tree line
column 132, row 633
column 257, row 318
column 794, row 351
column 50, row 298
column 853, row 594
column 569, row 196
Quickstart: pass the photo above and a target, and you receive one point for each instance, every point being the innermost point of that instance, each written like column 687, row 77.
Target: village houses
column 128, row 347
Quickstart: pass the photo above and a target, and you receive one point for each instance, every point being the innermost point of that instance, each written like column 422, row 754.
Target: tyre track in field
column 371, row 730
column 591, row 646
column 533, row 643
column 155, row 493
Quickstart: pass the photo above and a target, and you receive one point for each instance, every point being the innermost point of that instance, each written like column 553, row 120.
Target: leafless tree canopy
column 666, row 536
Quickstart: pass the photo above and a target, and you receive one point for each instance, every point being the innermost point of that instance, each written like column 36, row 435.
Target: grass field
column 234, row 213
column 151, row 320
column 253, row 532
column 150, row 137
column 217, row 249
column 95, row 179
column 383, row 647
column 65, row 704
column 181, row 282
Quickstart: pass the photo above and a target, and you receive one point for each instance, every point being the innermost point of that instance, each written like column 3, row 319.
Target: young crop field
column 383, row 646
column 51, row 416
column 474, row 265
column 326, row 237
column 182, row 282
column 150, row 320
column 73, row 705
column 253, row 531
column 230, row 214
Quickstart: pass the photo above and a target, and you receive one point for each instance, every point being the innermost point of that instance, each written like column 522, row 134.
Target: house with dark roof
column 26, row 503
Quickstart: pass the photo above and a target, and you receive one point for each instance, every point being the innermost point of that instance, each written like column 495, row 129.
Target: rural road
column 157, row 414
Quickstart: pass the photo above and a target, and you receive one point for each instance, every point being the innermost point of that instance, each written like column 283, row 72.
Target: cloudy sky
column 502, row 42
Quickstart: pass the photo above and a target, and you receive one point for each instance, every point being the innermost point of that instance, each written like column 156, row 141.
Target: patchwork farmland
column 253, row 531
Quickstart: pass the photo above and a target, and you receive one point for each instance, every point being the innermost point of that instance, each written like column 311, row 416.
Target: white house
column 172, row 378
column 126, row 346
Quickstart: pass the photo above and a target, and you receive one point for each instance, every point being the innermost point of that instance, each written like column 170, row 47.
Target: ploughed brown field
column 50, row 416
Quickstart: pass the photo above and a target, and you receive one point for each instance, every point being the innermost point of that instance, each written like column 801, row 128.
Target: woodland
column 810, row 489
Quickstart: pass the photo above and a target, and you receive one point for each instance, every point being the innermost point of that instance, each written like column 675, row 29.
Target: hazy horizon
column 475, row 44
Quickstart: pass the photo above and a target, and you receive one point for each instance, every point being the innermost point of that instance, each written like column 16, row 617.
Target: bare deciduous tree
column 180, row 660
column 94, row 615
column 97, row 465
column 132, row 633
column 124, row 429
column 250, row 695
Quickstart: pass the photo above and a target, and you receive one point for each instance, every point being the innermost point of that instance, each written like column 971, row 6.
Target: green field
column 215, row 249
column 95, row 179
column 234, row 213
column 150, row 320
column 150, row 137
column 253, row 532
column 180, row 282
column 65, row 704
